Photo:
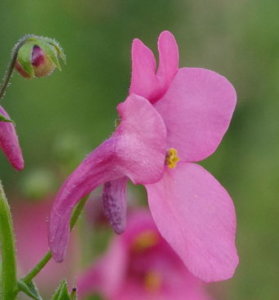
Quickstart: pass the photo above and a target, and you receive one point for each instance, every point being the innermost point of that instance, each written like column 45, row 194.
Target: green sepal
column 29, row 289
column 62, row 292
column 24, row 57
column 58, row 48
column 4, row 119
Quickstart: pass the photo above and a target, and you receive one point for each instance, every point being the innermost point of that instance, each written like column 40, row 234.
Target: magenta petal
column 145, row 81
column 168, row 58
column 9, row 142
column 143, row 78
column 197, row 109
column 136, row 150
column 141, row 145
column 96, row 169
column 195, row 214
column 107, row 274
column 115, row 203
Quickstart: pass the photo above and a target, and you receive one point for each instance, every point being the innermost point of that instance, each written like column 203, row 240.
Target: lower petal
column 196, row 215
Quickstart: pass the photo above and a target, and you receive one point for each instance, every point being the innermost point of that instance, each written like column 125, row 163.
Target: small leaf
column 62, row 292
column 4, row 119
column 29, row 289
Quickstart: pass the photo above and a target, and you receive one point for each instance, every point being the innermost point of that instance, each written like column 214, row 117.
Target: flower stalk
column 11, row 66
column 8, row 282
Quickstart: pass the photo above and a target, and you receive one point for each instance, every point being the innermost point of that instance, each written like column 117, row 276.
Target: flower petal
column 168, row 59
column 9, row 142
column 195, row 214
column 143, row 79
column 96, row 169
column 141, row 145
column 145, row 82
column 136, row 150
column 197, row 109
column 107, row 274
column 115, row 203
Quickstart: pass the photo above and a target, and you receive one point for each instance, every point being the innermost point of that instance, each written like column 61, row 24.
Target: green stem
column 11, row 66
column 9, row 281
column 28, row 277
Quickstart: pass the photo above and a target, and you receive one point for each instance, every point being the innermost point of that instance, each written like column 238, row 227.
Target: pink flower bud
column 38, row 57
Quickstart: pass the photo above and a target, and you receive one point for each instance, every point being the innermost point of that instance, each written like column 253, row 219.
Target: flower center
column 152, row 281
column 172, row 158
column 145, row 240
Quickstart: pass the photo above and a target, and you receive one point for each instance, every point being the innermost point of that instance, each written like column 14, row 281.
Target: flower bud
column 38, row 57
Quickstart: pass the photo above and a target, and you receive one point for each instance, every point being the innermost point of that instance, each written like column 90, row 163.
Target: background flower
column 139, row 264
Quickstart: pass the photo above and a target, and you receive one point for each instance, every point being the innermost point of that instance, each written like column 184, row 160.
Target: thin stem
column 11, row 66
column 28, row 277
column 9, row 281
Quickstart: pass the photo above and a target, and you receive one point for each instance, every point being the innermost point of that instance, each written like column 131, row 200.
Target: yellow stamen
column 145, row 240
column 172, row 158
column 152, row 281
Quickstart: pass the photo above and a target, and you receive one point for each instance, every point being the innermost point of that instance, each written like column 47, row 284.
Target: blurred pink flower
column 140, row 265
column 9, row 142
column 30, row 219
column 170, row 115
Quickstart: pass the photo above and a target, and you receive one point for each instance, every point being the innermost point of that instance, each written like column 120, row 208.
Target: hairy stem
column 11, row 66
column 9, row 281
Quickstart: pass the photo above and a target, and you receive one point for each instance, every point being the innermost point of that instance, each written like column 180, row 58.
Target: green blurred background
column 238, row 39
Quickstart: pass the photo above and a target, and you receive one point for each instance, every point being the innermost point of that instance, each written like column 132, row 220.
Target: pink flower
column 9, row 142
column 140, row 265
column 30, row 220
column 170, row 115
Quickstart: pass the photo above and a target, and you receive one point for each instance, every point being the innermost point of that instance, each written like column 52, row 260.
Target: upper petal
column 197, row 109
column 136, row 150
column 145, row 80
column 195, row 214
column 168, row 59
column 9, row 142
column 141, row 144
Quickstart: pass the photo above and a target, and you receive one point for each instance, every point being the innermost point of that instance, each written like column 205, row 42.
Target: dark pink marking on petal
column 115, row 203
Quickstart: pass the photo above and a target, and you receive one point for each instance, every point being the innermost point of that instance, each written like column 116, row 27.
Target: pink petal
column 141, row 145
column 168, row 59
column 115, row 203
column 9, row 142
column 143, row 78
column 195, row 214
column 197, row 109
column 136, row 150
column 145, row 82
column 106, row 275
